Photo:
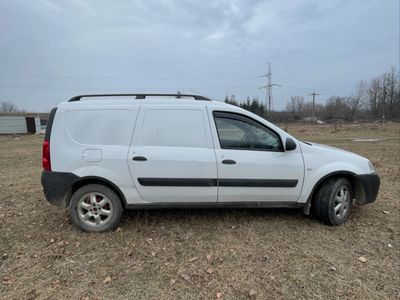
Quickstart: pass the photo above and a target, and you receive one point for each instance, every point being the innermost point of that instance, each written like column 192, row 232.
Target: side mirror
column 290, row 144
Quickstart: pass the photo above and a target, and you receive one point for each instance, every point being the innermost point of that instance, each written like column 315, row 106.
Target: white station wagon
column 106, row 153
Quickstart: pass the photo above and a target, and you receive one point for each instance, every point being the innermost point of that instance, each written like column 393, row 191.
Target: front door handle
column 229, row 162
column 139, row 158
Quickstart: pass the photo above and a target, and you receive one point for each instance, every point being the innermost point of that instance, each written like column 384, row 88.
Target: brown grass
column 197, row 254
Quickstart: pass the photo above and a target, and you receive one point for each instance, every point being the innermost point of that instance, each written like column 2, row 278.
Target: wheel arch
column 352, row 177
column 96, row 180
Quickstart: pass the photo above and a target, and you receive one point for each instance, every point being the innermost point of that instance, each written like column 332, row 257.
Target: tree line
column 7, row 107
column 377, row 99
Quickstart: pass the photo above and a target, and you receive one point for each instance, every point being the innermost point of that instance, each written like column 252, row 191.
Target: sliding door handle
column 229, row 162
column 139, row 158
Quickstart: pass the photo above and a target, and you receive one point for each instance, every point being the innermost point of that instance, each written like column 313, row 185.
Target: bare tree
column 338, row 108
column 378, row 98
column 383, row 96
column 355, row 102
column 295, row 107
column 8, row 107
column 307, row 110
column 390, row 97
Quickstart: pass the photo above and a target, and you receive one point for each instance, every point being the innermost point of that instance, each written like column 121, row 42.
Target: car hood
column 335, row 152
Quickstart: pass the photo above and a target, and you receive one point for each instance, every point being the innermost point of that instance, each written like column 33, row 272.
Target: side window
column 240, row 132
column 174, row 128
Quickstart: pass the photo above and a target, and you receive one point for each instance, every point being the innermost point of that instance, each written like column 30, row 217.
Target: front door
column 252, row 163
column 172, row 159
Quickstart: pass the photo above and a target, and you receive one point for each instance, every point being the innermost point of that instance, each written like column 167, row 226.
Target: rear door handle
column 229, row 162
column 139, row 158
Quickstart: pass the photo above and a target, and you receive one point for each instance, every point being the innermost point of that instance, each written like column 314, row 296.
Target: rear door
column 171, row 158
column 30, row 124
column 252, row 164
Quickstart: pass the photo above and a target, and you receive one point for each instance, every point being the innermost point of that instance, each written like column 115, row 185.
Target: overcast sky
column 52, row 50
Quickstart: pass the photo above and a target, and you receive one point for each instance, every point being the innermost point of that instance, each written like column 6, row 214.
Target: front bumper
column 370, row 184
column 57, row 186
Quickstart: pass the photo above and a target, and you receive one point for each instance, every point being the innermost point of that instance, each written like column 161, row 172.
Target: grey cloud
column 51, row 50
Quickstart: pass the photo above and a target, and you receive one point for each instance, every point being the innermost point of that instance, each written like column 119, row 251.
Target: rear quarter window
column 100, row 127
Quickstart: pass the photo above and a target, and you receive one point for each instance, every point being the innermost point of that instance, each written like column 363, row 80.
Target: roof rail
column 140, row 96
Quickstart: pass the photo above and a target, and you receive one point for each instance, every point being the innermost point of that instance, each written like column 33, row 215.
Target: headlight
column 371, row 167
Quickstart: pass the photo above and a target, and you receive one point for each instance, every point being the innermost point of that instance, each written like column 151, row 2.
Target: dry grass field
column 202, row 254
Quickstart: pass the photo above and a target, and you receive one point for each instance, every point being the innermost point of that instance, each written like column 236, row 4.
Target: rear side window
column 100, row 127
column 174, row 128
column 242, row 133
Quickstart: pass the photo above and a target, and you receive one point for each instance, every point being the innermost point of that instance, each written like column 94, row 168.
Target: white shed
column 19, row 124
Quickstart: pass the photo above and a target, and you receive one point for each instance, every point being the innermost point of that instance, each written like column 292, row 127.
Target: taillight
column 46, row 156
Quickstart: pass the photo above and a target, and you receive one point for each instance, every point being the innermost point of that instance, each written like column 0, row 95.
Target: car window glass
column 238, row 134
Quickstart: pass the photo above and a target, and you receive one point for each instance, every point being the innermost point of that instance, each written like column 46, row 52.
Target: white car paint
column 322, row 160
column 83, row 145
column 173, row 156
column 257, row 165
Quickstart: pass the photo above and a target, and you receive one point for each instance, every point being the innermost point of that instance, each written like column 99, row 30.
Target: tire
column 95, row 208
column 334, row 201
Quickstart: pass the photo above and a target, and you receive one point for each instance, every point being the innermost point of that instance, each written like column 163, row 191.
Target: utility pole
column 383, row 104
column 313, row 94
column 268, row 87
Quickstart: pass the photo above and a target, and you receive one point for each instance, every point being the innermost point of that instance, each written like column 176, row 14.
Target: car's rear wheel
column 334, row 201
column 95, row 207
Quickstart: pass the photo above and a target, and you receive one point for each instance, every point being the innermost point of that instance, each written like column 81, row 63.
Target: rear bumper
column 370, row 184
column 57, row 186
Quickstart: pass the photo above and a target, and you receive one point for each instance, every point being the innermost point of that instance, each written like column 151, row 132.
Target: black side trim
column 367, row 199
column 177, row 181
column 56, row 186
column 280, row 183
column 370, row 184
column 49, row 125
column 214, row 205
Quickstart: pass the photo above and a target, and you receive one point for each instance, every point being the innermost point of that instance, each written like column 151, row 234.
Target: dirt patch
column 201, row 254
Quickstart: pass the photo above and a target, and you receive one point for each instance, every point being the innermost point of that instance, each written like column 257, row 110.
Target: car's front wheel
column 95, row 207
column 334, row 201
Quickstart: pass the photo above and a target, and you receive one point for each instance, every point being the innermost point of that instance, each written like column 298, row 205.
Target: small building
column 19, row 123
column 314, row 120
column 44, row 117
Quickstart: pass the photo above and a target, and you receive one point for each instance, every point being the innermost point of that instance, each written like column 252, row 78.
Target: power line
column 319, row 82
column 118, row 77
column 313, row 105
column 113, row 87
column 123, row 60
column 222, row 87
column 268, row 88
column 167, row 79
